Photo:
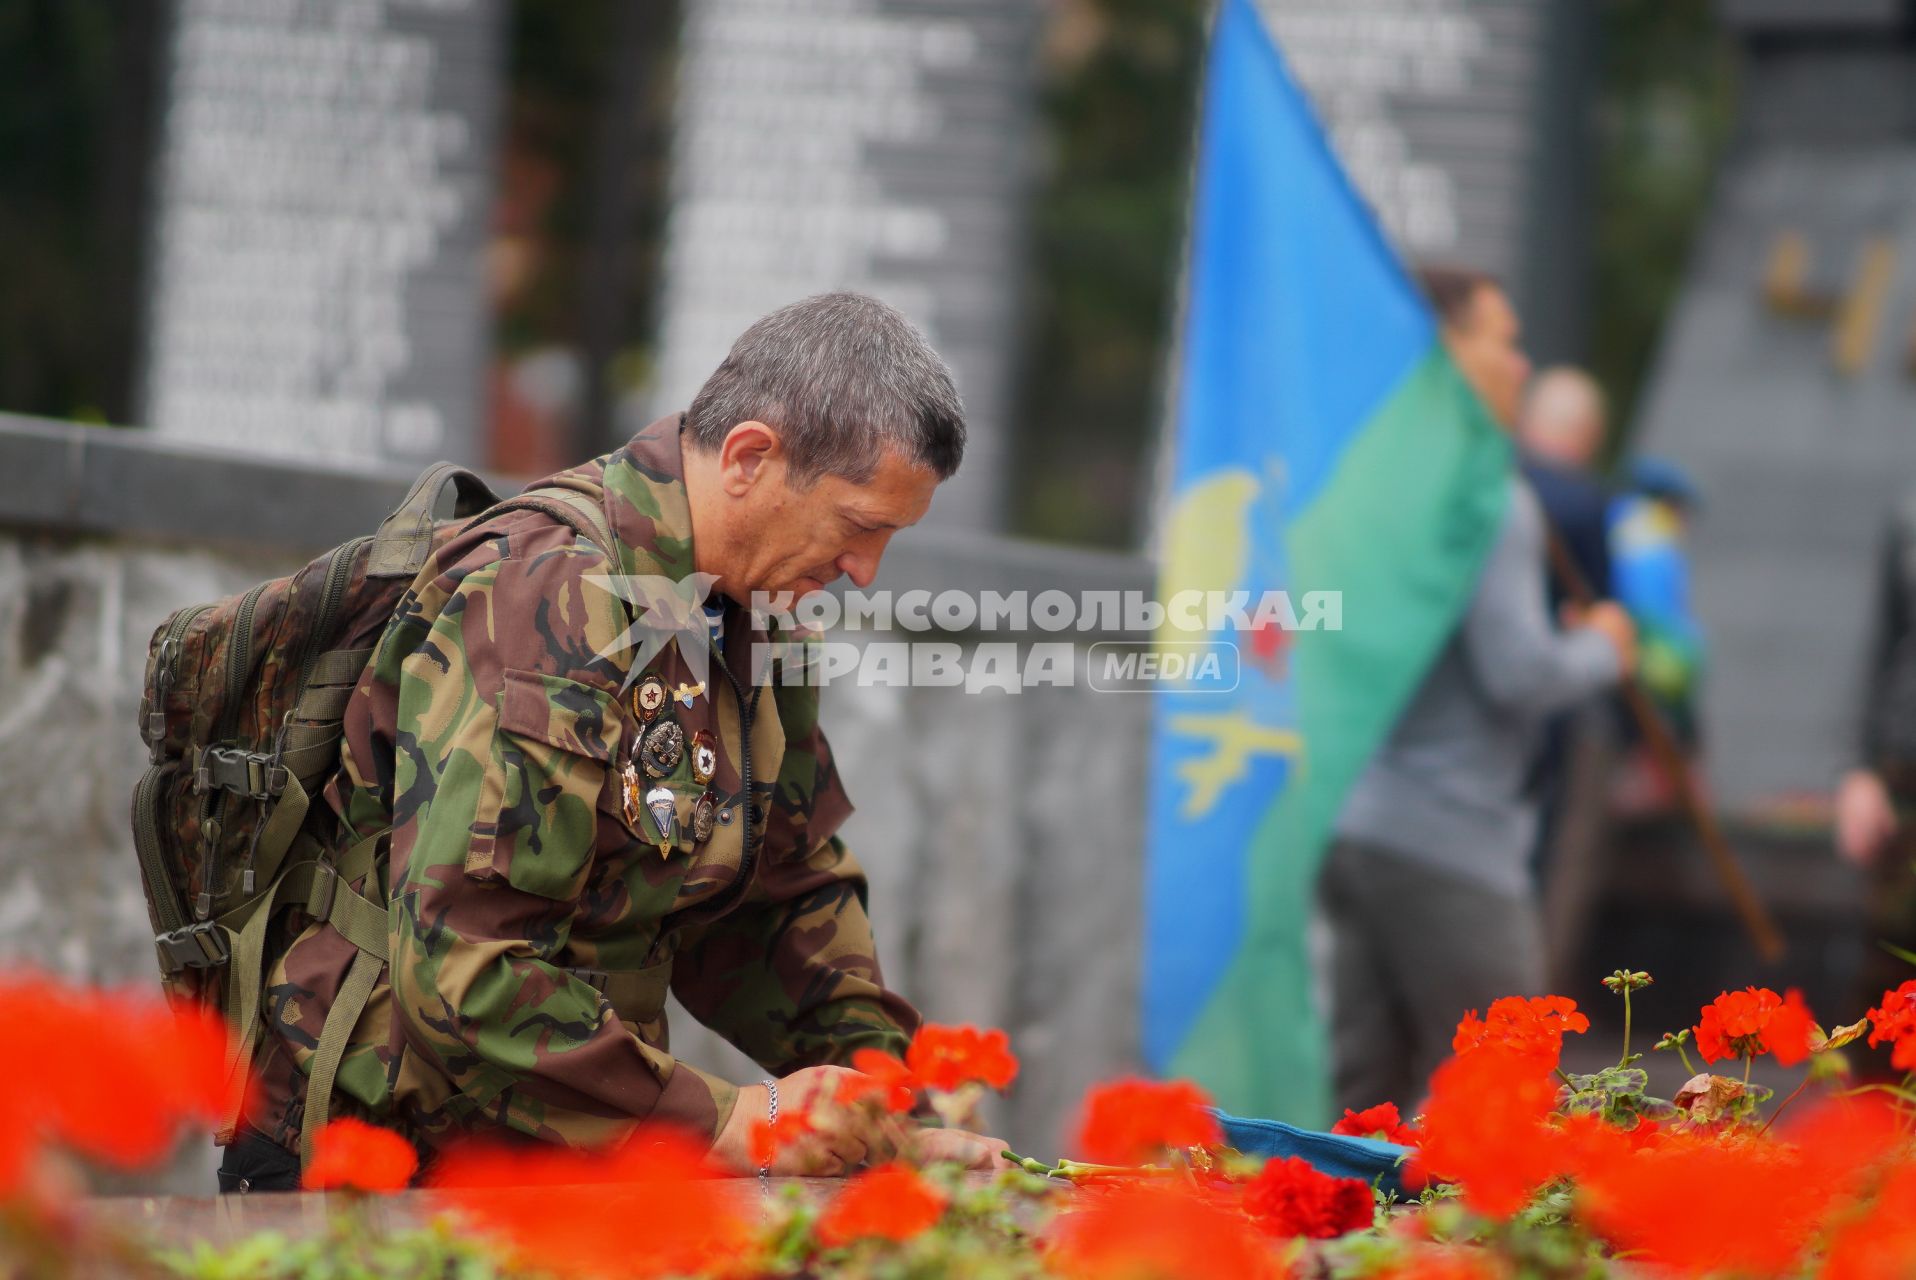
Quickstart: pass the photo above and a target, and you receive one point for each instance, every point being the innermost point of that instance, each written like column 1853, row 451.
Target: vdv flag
column 1325, row 444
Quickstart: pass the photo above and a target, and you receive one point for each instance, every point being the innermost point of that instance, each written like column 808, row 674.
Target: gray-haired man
column 574, row 831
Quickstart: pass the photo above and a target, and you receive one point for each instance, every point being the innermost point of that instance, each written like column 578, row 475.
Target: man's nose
column 860, row 562
column 860, row 569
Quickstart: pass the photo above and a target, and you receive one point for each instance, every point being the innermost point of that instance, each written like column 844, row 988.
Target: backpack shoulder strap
column 569, row 507
column 326, row 888
column 404, row 540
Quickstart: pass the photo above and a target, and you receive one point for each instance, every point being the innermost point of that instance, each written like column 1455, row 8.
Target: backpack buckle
column 246, row 773
column 197, row 946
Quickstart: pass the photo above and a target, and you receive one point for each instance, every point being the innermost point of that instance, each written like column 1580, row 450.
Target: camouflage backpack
column 242, row 715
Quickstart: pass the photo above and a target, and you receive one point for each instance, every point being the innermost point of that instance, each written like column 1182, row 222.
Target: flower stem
column 1685, row 1055
column 1030, row 1164
column 1748, row 1059
column 1779, row 1106
column 1625, row 1060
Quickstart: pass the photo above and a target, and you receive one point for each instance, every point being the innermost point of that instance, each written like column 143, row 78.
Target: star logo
column 664, row 611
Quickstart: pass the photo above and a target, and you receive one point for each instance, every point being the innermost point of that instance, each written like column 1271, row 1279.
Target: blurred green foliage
column 1664, row 113
column 562, row 57
column 1119, row 102
column 556, row 70
column 75, row 85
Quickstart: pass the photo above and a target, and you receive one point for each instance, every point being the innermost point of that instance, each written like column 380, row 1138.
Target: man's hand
column 956, row 1146
column 839, row 1138
column 1610, row 620
column 1865, row 817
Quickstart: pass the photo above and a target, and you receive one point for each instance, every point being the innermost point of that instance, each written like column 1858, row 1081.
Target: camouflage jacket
column 538, row 919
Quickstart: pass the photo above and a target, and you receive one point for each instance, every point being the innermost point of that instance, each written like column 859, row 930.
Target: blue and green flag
column 1325, row 444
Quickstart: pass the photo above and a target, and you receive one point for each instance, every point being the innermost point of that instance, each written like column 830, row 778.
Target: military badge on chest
column 648, row 696
column 659, row 804
column 661, row 748
column 650, row 813
column 704, row 756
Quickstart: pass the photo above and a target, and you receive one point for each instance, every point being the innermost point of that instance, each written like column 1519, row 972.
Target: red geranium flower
column 890, row 1202
column 1132, row 1121
column 1646, row 1133
column 1894, row 1021
column 764, row 1140
column 1535, row 1026
column 352, row 1155
column 1752, row 1021
column 942, row 1059
column 1157, row 1229
column 1701, row 1203
column 1687, row 1203
column 1881, row 1242
column 947, row 1058
column 1790, row 1031
column 1485, row 1127
column 657, row 1209
column 1381, row 1121
column 146, row 1070
column 1290, row 1198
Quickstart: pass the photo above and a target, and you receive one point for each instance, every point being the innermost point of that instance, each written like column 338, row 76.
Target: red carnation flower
column 1290, row 1198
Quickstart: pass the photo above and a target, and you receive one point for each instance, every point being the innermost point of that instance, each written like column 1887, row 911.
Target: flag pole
column 1676, row 768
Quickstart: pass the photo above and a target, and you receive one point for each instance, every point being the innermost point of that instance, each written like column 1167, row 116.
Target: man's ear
column 750, row 451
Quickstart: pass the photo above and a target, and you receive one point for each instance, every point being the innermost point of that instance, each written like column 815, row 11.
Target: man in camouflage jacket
column 568, row 835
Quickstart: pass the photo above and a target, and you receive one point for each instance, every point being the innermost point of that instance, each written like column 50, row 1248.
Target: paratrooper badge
column 704, row 810
column 661, row 749
column 704, row 756
column 648, row 696
column 658, row 802
column 686, row 692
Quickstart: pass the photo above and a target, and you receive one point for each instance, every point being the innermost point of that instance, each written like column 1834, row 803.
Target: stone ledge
column 61, row 477
column 123, row 483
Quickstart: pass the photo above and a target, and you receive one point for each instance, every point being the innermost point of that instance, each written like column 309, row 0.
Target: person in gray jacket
column 1427, row 887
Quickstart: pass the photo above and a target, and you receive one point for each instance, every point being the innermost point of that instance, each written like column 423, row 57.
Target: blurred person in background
column 1562, row 429
column 1650, row 567
column 1560, row 433
column 1427, row 888
column 1873, row 798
